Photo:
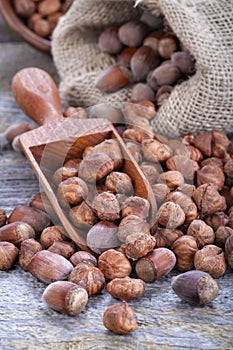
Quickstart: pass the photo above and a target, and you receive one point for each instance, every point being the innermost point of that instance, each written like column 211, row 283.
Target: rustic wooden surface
column 26, row 323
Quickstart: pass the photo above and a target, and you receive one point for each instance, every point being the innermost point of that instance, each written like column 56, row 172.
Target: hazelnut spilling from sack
column 201, row 103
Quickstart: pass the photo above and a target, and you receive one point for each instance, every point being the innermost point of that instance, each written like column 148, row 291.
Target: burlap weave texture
column 205, row 27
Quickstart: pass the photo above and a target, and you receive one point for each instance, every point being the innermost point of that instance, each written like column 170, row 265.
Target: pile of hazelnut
column 148, row 54
column 41, row 16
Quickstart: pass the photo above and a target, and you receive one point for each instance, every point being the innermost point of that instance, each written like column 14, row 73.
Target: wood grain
column 26, row 323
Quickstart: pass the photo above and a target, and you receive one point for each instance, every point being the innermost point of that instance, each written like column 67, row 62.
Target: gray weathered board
column 26, row 323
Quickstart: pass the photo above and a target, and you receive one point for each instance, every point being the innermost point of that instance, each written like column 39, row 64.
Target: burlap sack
column 205, row 27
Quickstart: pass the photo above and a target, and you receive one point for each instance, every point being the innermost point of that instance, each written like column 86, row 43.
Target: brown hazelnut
column 42, row 27
column 132, row 33
column 216, row 220
column 66, row 297
column 170, row 215
column 47, row 7
column 119, row 182
column 131, row 224
column 52, row 234
column 114, row 264
column 75, row 112
column 125, row 56
column 64, row 173
column 212, row 175
column 143, row 61
column 210, row 259
column 167, row 45
column 214, row 161
column 163, row 92
column 113, row 78
column 155, row 264
column 16, row 232
column 126, row 288
column 109, row 41
column 172, row 178
column 220, row 144
column 229, row 250
column 167, row 74
column 28, row 249
column 40, row 201
column 204, row 143
column 155, row 151
column 83, row 256
column 37, row 219
column 208, row 199
column 186, row 203
column 166, row 236
column 202, row 232
column 187, row 167
column 184, row 61
column 161, row 192
column 83, row 215
column 139, row 244
column 8, row 255
column 53, row 19
column 227, row 193
column 106, row 206
column 196, row 287
column 185, row 248
column 102, row 236
column 135, row 135
column 89, row 277
column 230, row 217
column 3, row 217
column 186, row 189
column 17, row 129
column 49, row 267
column 134, row 111
column 135, row 205
column 33, row 19
column 221, row 235
column 72, row 191
column 141, row 92
column 119, row 318
column 24, row 8
column 228, row 168
column 151, row 171
column 65, row 249
column 194, row 153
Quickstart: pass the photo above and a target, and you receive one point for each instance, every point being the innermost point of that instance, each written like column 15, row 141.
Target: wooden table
column 26, row 323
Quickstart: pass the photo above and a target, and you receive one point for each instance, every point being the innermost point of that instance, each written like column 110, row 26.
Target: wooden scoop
column 59, row 139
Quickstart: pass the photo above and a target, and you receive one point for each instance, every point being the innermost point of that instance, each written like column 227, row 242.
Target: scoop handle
column 36, row 93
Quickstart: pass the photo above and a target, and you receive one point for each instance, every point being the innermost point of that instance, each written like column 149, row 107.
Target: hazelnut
column 24, row 8
column 163, row 92
column 155, row 151
column 165, row 237
column 186, row 203
column 83, row 256
column 37, row 219
column 28, row 249
column 17, row 129
column 132, row 33
column 52, row 234
column 155, row 264
column 170, row 215
column 227, row 193
column 154, row 22
column 187, row 167
column 42, row 27
column 135, row 135
column 220, row 144
column 167, row 45
column 143, row 61
column 65, row 249
column 3, row 217
column 106, row 206
column 172, row 178
column 216, row 220
column 66, row 297
column 135, row 111
column 47, row 7
column 142, row 92
column 131, row 224
column 125, row 56
column 73, row 163
column 72, row 191
column 135, row 205
column 113, row 78
column 214, row 161
column 95, row 167
column 16, row 232
column 49, row 267
column 139, row 244
column 194, row 153
column 102, row 236
column 119, row 318
column 114, row 264
column 208, row 199
column 184, row 248
column 40, row 201
column 221, row 235
column 53, row 19
column 212, row 175
column 119, row 182
column 204, row 143
column 33, row 19
column 228, row 168
column 184, row 61
column 151, row 171
column 83, row 215
column 89, row 277
column 126, row 288
column 8, row 255
column 186, row 189
column 196, row 287
column 109, row 41
column 167, row 74
column 64, row 173
column 229, row 250
column 210, row 259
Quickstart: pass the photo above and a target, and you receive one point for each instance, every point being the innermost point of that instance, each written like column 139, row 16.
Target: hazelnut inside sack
column 201, row 103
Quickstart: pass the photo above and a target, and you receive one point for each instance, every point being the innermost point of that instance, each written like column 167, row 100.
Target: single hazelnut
column 66, row 297
column 33, row 19
column 24, row 8
column 119, row 318
column 217, row 219
column 72, row 191
column 52, row 234
column 119, row 182
column 83, row 215
column 109, row 41
column 212, row 175
column 194, row 153
column 49, row 267
column 16, row 232
column 134, row 111
column 170, row 215
column 167, row 74
column 64, row 173
column 141, row 92
column 114, row 264
column 220, row 144
column 155, row 151
column 210, row 259
column 172, row 178
column 165, row 237
column 135, row 135
column 139, row 244
column 125, row 56
column 155, row 264
column 229, row 250
column 187, row 167
column 160, row 192
column 151, row 171
column 66, row 249
column 83, row 256
column 214, row 161
column 3, row 217
column 184, row 249
column 132, row 33
column 47, row 7
column 184, row 61
column 89, row 277
column 208, row 199
column 167, row 45
column 95, row 167
column 135, row 205
column 102, row 236
column 131, row 224
column 221, row 235
column 204, row 143
column 42, row 27
column 40, row 201
column 186, row 203
column 143, row 61
column 154, row 22
column 8, row 255
column 106, row 206
column 36, row 218
column 126, row 288
column 113, row 78
column 28, row 249
column 196, row 287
